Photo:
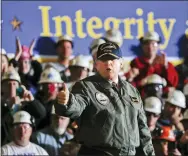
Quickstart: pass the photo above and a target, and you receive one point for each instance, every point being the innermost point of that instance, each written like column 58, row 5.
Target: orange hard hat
column 167, row 134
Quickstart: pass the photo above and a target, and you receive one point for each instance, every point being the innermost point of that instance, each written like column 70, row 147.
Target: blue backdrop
column 87, row 20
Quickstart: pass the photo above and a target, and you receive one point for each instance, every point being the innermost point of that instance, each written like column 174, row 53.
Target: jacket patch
column 134, row 99
column 102, row 98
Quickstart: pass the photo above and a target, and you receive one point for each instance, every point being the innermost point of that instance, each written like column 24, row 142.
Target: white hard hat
column 11, row 74
column 50, row 75
column 95, row 44
column 154, row 36
column 3, row 52
column 65, row 38
column 114, row 35
column 80, row 61
column 177, row 98
column 156, row 79
column 22, row 117
column 185, row 114
column 153, row 104
column 185, row 89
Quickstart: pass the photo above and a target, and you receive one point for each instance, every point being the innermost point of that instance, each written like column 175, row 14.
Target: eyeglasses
column 24, row 126
column 149, row 114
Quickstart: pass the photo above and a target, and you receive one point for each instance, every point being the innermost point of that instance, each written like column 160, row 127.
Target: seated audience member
column 53, row 137
column 153, row 86
column 49, row 85
column 165, row 142
column 172, row 113
column 152, row 107
column 22, row 126
column 15, row 97
column 79, row 68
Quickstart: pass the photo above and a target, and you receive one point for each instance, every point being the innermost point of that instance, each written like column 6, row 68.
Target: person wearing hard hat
column 93, row 51
column 53, row 137
column 152, row 63
column 109, row 110
column 22, row 126
column 152, row 107
column 172, row 113
column 28, row 69
column 164, row 142
column 49, row 85
column 79, row 68
column 4, row 61
column 15, row 97
column 64, row 49
column 94, row 47
column 153, row 86
column 114, row 35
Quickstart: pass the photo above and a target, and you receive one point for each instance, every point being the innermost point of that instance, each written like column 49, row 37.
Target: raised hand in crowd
column 27, row 95
column 19, row 49
column 161, row 59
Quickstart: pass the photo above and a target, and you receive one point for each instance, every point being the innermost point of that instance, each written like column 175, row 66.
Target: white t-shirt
column 30, row 150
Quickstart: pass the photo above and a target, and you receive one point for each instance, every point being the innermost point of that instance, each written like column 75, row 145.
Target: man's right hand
column 63, row 96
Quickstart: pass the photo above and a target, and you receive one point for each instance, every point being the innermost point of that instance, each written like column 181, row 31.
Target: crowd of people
column 34, row 122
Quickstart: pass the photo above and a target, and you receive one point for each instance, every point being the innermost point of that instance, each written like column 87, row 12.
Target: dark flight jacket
column 109, row 116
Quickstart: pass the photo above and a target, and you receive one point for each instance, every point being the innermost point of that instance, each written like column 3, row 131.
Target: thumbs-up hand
column 63, row 96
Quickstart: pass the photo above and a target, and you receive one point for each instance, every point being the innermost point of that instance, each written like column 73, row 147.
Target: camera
column 20, row 92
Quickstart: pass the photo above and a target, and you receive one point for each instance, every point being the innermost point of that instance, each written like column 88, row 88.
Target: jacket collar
column 106, row 84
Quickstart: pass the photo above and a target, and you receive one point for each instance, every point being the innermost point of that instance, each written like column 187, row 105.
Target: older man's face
column 108, row 68
column 59, row 123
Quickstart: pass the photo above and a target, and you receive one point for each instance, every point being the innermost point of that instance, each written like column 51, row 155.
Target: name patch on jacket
column 102, row 98
column 134, row 99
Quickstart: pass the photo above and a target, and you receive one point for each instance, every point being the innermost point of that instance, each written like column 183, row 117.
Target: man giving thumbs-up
column 109, row 111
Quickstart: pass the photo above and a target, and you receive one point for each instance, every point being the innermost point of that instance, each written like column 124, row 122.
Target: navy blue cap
column 109, row 49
